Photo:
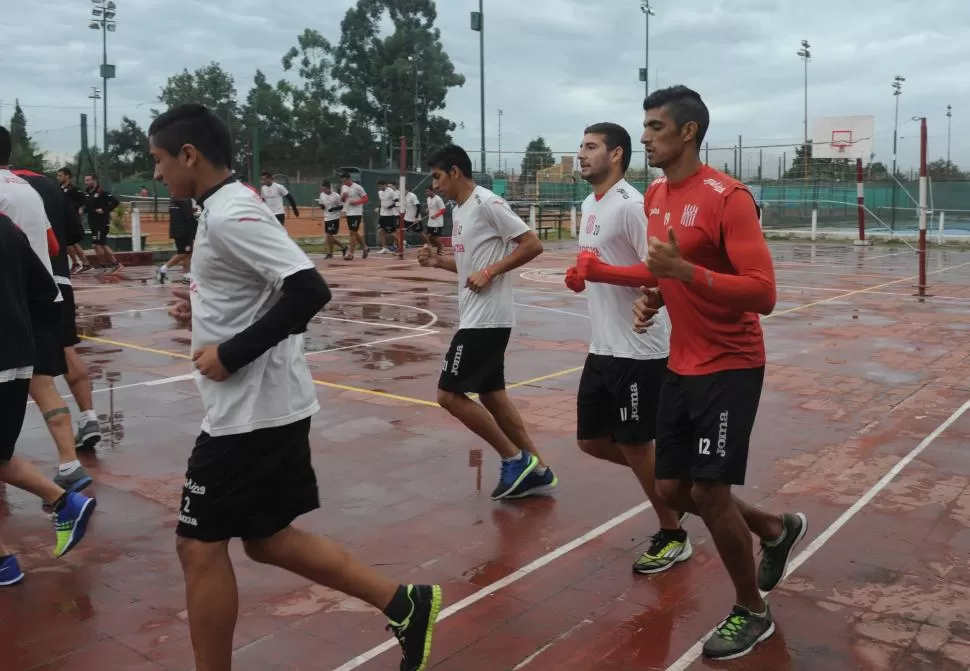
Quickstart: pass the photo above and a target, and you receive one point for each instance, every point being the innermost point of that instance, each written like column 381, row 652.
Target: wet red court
column 864, row 383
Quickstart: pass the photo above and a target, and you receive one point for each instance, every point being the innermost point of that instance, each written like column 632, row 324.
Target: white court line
column 556, row 310
column 123, row 312
column 371, row 343
column 696, row 650
column 389, row 325
column 531, row 567
column 148, row 383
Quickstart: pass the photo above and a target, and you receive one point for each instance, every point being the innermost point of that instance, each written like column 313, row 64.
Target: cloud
column 552, row 67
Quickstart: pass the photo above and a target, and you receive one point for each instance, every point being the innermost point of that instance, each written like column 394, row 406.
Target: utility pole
column 897, row 91
column 103, row 18
column 95, row 97
column 645, row 72
column 478, row 25
column 806, row 55
column 949, row 118
column 500, row 113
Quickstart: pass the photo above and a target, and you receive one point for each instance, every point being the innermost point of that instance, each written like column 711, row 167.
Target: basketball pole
column 860, row 199
column 403, row 191
column 922, row 206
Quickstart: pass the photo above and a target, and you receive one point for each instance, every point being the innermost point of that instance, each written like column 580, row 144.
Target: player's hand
column 427, row 258
column 645, row 308
column 574, row 281
column 182, row 308
column 296, row 212
column 477, row 281
column 208, row 363
column 584, row 262
column 663, row 258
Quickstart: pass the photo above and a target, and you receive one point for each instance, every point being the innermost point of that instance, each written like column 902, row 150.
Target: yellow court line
column 322, row 383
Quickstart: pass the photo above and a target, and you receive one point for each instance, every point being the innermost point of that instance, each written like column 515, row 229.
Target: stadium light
column 103, row 18
column 897, row 91
column 645, row 75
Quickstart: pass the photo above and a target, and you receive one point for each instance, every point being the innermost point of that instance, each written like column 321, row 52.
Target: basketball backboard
column 843, row 137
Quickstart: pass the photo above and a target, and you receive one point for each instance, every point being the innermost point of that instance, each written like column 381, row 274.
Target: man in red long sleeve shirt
column 711, row 268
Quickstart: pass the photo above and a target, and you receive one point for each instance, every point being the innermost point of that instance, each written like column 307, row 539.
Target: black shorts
column 331, row 227
column 704, row 425
column 13, row 409
column 415, row 226
column 435, row 231
column 248, row 485
column 184, row 245
column 68, row 317
column 353, row 222
column 281, row 218
column 388, row 224
column 618, row 399
column 475, row 362
column 49, row 358
column 99, row 234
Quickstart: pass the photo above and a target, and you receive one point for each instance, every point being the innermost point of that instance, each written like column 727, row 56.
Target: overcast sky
column 552, row 66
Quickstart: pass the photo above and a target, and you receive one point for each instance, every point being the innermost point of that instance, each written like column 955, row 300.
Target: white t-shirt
column 274, row 195
column 435, row 205
column 615, row 229
column 388, row 197
column 484, row 228
column 330, row 202
column 24, row 206
column 353, row 192
column 239, row 262
column 411, row 205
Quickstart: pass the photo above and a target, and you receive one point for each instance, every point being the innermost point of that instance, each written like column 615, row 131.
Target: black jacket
column 181, row 220
column 64, row 219
column 98, row 199
column 27, row 295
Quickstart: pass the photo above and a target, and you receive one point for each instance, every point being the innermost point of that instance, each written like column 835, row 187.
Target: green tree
column 537, row 157
column 393, row 84
column 267, row 110
column 128, row 154
column 25, row 153
column 941, row 169
column 804, row 166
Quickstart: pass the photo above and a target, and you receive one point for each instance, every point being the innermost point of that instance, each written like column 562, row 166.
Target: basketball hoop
column 841, row 140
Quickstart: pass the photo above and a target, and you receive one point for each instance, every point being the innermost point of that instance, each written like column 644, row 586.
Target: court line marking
column 420, row 334
column 123, row 312
column 502, row 583
column 146, row 383
column 578, row 542
column 695, row 651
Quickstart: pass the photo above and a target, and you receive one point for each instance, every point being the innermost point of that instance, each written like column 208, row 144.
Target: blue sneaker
column 513, row 473
column 535, row 484
column 10, row 573
column 71, row 521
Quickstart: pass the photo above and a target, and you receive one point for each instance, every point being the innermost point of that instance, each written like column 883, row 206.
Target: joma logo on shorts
column 194, row 488
column 722, row 434
column 457, row 360
column 635, row 402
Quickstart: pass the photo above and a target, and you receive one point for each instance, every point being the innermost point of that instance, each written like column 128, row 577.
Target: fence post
column 135, row 228
column 941, row 227
column 572, row 221
column 814, row 223
column 532, row 217
column 860, row 203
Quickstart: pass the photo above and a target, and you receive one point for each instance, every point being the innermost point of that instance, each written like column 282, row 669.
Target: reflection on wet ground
column 859, row 374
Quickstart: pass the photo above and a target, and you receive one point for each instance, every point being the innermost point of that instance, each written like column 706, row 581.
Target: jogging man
column 331, row 206
column 412, row 214
column 27, row 307
column 181, row 230
column 24, row 206
column 354, row 198
column 75, row 199
column 274, row 194
column 616, row 407
column 98, row 205
column 485, row 227
column 389, row 212
column 249, row 476
column 436, row 219
column 709, row 259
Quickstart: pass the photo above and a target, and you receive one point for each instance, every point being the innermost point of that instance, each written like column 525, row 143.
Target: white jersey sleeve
column 500, row 214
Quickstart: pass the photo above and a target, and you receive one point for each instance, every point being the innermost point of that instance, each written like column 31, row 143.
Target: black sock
column 676, row 534
column 59, row 504
column 400, row 607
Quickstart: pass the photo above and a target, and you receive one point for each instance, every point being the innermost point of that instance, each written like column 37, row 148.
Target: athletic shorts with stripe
column 618, row 398
column 704, row 425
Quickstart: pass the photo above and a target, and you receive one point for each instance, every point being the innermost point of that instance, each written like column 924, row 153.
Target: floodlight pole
column 897, row 91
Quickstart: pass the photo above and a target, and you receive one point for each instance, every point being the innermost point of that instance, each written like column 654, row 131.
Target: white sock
column 540, row 470
column 515, row 458
column 163, row 268
column 69, row 467
column 88, row 416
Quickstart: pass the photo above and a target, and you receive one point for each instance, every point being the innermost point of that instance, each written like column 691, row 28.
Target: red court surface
column 862, row 427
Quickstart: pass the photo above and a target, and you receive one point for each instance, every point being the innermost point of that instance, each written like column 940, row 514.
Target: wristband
column 487, row 274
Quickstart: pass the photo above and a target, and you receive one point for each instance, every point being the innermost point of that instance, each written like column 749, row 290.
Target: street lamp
column 645, row 72
column 103, row 19
column 95, row 97
column 478, row 25
column 416, row 151
column 806, row 55
column 897, row 91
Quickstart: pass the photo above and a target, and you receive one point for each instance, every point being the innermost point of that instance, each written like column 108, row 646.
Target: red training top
column 714, row 318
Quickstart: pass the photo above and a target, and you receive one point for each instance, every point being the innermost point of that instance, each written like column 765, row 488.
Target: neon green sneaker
column 666, row 549
column 415, row 632
column 71, row 521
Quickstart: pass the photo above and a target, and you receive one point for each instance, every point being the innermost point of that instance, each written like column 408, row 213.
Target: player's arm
column 362, row 200
column 45, row 313
column 752, row 289
column 110, row 202
column 591, row 269
column 511, row 227
column 272, row 255
column 292, row 202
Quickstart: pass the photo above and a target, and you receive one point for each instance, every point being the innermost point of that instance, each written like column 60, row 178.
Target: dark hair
column 266, row 173
column 345, row 175
column 6, row 145
column 66, row 171
column 381, row 182
column 451, row 156
column 198, row 126
column 326, row 182
column 683, row 104
column 614, row 136
column 92, row 175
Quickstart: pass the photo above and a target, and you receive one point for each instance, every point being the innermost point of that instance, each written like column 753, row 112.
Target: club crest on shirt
column 689, row 215
column 666, row 219
column 592, row 228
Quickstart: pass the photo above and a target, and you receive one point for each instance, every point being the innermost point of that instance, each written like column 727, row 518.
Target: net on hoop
column 841, row 140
